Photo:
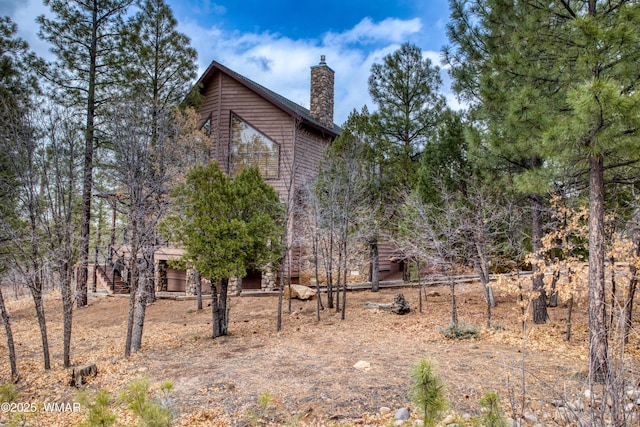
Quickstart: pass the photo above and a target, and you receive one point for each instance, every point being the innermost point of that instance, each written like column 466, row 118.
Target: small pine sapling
column 493, row 415
column 428, row 391
column 99, row 413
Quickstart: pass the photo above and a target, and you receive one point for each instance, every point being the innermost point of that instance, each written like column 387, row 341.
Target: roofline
column 216, row 66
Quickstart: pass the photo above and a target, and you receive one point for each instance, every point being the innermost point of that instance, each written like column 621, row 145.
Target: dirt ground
column 307, row 370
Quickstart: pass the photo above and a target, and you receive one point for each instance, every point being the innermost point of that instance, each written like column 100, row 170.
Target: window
column 206, row 127
column 251, row 148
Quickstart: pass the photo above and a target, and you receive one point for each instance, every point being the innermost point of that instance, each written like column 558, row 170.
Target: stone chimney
column 322, row 93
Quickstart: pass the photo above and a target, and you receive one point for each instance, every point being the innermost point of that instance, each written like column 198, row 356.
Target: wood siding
column 301, row 147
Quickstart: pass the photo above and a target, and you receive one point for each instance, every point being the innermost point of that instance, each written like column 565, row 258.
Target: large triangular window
column 249, row 147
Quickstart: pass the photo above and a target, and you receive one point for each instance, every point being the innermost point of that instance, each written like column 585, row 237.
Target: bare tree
column 61, row 175
column 435, row 235
column 7, row 327
column 339, row 191
column 147, row 161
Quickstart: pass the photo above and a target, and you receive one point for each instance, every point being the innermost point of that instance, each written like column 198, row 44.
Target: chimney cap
column 322, row 60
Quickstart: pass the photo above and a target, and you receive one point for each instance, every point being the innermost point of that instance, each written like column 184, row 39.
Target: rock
column 363, row 366
column 384, row 410
column 400, row 305
column 399, row 422
column 530, row 418
column 402, row 414
column 300, row 292
column 448, row 419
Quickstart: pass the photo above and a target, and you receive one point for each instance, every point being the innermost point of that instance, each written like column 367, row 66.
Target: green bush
column 460, row 332
column 428, row 392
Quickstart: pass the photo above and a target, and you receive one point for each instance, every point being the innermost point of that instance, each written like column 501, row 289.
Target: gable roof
column 280, row 101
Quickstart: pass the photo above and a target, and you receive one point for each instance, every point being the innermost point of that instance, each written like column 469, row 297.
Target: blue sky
column 276, row 42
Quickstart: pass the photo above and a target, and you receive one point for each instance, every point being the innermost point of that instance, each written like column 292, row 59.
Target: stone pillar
column 321, row 102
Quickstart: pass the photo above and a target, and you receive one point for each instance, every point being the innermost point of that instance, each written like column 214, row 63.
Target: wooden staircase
column 104, row 274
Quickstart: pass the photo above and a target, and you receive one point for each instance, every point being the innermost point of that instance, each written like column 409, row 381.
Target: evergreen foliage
column 99, row 414
column 150, row 411
column 158, row 64
column 428, row 391
column 493, row 415
column 406, row 89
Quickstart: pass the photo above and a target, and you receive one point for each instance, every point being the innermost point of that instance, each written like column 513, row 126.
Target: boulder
column 362, row 365
column 300, row 292
column 402, row 414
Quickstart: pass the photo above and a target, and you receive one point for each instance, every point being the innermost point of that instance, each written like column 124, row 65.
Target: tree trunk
column 215, row 317
column 151, row 276
column 197, row 278
column 454, row 306
column 219, row 309
column 419, row 286
column 344, row 282
column 87, row 181
column 318, row 295
column 328, row 268
column 67, row 311
column 628, row 303
column 569, row 312
column 36, row 293
column 598, row 345
column 375, row 265
column 133, row 287
column 142, row 298
column 338, row 283
column 540, row 314
column 12, row 351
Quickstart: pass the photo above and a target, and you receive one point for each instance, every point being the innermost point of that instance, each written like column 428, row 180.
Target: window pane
column 251, row 148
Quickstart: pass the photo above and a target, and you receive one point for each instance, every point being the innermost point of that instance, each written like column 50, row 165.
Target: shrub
column 8, row 393
column 428, row 392
column 150, row 412
column 460, row 332
column 99, row 413
column 493, row 415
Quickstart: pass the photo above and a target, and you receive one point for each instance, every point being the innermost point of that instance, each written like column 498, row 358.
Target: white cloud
column 390, row 30
column 283, row 65
column 280, row 63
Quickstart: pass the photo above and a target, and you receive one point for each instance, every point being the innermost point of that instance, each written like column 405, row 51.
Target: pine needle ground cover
column 307, row 370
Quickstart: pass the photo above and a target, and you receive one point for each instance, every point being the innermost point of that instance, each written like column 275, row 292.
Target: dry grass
column 308, row 367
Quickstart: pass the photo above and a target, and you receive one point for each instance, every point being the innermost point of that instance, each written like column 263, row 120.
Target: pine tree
column 405, row 88
column 83, row 37
column 160, row 65
column 559, row 80
column 227, row 226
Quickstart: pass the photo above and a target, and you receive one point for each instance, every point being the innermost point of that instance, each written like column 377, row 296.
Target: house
column 252, row 125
